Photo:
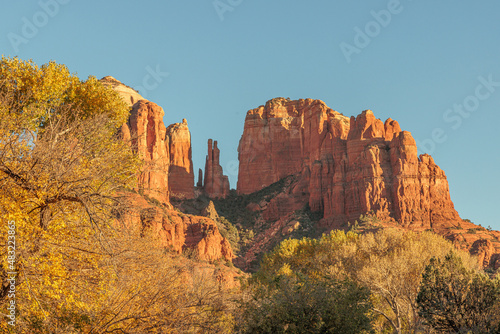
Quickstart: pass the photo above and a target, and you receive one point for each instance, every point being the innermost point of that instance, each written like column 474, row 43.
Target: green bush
column 455, row 299
column 301, row 304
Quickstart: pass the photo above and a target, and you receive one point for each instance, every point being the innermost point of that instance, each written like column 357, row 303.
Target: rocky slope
column 196, row 235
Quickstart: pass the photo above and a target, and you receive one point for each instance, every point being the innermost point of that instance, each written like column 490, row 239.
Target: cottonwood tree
column 64, row 177
column 390, row 263
column 153, row 291
column 293, row 293
column 61, row 170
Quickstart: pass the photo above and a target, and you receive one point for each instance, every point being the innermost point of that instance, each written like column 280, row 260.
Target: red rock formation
column 203, row 236
column 344, row 167
column 181, row 176
column 278, row 139
column 484, row 250
column 479, row 241
column 177, row 231
column 168, row 170
column 147, row 132
column 216, row 184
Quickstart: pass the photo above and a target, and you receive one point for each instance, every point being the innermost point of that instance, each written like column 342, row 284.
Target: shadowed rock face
column 181, row 175
column 216, row 184
column 345, row 167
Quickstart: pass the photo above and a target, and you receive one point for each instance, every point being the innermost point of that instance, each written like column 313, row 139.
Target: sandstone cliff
column 168, row 169
column 181, row 175
column 146, row 134
column 345, row 166
column 167, row 173
column 356, row 169
column 216, row 184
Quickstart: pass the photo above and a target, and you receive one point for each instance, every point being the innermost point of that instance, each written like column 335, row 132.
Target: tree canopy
column 389, row 263
column 455, row 299
column 61, row 170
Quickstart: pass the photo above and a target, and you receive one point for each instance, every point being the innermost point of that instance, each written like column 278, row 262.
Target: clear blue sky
column 413, row 66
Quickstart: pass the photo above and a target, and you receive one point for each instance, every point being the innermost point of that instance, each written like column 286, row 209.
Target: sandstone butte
column 179, row 232
column 346, row 167
column 167, row 173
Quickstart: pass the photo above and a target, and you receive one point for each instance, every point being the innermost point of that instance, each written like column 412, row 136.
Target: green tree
column 389, row 262
column 300, row 304
column 454, row 299
column 293, row 292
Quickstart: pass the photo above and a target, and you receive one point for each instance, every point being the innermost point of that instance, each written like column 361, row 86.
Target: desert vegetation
column 392, row 282
column 78, row 268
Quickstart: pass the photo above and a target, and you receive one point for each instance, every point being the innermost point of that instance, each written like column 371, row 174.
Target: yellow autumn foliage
column 64, row 176
column 62, row 168
column 389, row 262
